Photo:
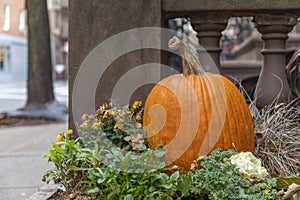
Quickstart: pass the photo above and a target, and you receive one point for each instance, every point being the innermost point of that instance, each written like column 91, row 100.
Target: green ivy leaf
column 94, row 190
column 160, row 153
column 174, row 176
column 167, row 186
column 142, row 147
column 100, row 180
column 184, row 185
column 164, row 176
column 128, row 197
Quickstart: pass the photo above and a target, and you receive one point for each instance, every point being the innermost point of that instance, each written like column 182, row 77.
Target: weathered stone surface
column 95, row 21
column 45, row 192
column 274, row 29
column 242, row 6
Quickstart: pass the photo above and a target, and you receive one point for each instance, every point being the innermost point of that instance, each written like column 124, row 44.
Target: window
column 4, row 58
column 22, row 21
column 6, row 25
column 1, row 58
column 50, row 4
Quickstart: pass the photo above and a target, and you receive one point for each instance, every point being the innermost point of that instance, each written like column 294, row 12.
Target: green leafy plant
column 128, row 175
column 109, row 184
column 111, row 160
column 118, row 126
column 219, row 179
column 71, row 162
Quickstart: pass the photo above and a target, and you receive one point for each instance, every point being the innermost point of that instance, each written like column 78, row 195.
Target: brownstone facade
column 13, row 18
column 13, row 25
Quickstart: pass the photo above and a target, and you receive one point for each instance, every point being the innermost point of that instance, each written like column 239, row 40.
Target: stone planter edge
column 45, row 192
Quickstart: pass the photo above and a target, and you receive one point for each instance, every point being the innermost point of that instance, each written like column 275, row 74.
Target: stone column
column 272, row 82
column 92, row 23
column 209, row 27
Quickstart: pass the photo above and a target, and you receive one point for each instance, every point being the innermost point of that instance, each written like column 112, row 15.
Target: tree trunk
column 39, row 83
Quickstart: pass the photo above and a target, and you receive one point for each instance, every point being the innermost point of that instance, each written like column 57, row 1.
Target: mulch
column 9, row 121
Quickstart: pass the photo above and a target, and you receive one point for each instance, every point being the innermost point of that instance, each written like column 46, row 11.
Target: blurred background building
column 13, row 39
column 241, row 44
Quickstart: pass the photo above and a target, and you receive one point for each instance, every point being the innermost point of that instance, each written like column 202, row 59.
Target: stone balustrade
column 273, row 19
column 92, row 23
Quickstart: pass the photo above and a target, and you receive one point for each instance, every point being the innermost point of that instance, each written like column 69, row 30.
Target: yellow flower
column 97, row 125
column 122, row 114
column 99, row 112
column 84, row 117
column 101, row 108
column 120, row 119
column 69, row 132
column 111, row 112
column 60, row 137
column 91, row 117
column 193, row 167
column 117, row 126
column 136, row 104
column 175, row 167
column 138, row 118
column 85, row 125
column 105, row 116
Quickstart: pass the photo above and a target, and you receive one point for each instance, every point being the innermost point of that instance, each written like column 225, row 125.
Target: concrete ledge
column 241, row 69
column 45, row 192
column 232, row 5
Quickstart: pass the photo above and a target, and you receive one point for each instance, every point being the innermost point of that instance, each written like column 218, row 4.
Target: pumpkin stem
column 190, row 63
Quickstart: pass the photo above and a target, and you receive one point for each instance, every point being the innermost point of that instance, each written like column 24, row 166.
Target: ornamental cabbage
column 249, row 166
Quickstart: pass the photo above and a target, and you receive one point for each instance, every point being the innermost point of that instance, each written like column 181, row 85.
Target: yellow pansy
column 69, row 132
column 85, row 125
column 138, row 118
column 120, row 119
column 101, row 108
column 60, row 137
column 111, row 112
column 84, row 117
column 122, row 114
column 117, row 126
column 105, row 116
column 91, row 117
column 99, row 112
column 97, row 125
column 136, row 104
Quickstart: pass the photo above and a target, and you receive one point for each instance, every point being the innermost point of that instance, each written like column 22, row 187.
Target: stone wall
column 93, row 22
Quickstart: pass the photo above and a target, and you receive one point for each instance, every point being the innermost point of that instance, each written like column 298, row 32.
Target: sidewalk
column 21, row 164
column 13, row 95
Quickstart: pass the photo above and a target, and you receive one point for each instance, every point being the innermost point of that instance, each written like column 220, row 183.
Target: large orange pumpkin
column 193, row 113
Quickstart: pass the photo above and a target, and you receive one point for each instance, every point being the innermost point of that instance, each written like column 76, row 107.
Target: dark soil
column 8, row 121
column 78, row 193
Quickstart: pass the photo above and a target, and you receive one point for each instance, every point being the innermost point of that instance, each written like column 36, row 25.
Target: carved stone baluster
column 209, row 27
column 272, row 81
